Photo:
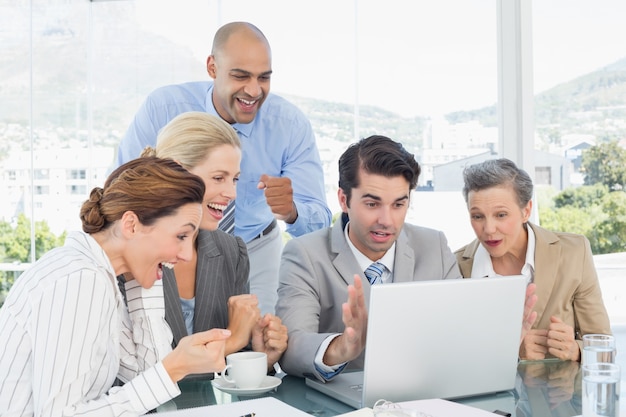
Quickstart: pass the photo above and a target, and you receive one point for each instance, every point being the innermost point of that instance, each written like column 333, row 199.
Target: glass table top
column 543, row 388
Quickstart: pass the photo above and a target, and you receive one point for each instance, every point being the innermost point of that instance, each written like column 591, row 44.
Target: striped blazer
column 222, row 271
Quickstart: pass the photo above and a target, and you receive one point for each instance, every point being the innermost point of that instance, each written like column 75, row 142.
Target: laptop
column 436, row 339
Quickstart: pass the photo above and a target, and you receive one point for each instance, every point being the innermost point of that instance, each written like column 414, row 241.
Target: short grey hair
column 496, row 173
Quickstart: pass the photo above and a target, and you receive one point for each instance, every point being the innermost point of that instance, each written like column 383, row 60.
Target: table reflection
column 198, row 392
column 548, row 388
column 543, row 388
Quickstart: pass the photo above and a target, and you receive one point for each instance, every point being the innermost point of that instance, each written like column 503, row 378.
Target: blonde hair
column 190, row 137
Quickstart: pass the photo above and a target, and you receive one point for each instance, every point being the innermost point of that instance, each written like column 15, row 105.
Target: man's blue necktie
column 374, row 273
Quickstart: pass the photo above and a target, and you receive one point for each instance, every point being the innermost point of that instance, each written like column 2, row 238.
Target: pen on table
column 249, row 415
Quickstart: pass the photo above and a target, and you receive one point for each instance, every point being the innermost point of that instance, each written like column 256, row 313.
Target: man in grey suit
column 321, row 270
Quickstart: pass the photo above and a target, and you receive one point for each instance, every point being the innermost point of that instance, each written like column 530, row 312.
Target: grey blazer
column 222, row 271
column 315, row 271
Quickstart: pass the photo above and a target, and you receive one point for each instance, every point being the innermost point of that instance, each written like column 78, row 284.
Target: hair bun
column 90, row 214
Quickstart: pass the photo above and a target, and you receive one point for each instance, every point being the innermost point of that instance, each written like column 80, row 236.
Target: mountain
column 336, row 121
column 115, row 73
column 593, row 104
column 110, row 66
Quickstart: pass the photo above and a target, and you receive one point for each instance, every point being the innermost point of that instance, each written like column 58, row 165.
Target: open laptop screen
column 438, row 339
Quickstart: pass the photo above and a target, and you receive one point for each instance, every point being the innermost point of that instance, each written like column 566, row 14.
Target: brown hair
column 148, row 186
column 377, row 155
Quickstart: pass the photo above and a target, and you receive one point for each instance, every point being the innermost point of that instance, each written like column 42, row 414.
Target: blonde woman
column 212, row 290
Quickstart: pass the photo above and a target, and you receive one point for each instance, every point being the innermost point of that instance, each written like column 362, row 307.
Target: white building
column 551, row 170
column 60, row 183
column 445, row 143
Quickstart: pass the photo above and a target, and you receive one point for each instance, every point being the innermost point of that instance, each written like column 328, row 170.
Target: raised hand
column 351, row 342
column 557, row 340
column 529, row 315
column 198, row 353
column 279, row 196
column 561, row 340
column 270, row 336
column 534, row 345
column 243, row 314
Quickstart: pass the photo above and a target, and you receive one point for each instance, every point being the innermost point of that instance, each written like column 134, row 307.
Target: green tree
column 567, row 219
column 611, row 230
column 11, row 249
column 19, row 248
column 15, row 246
column 581, row 196
column 591, row 211
column 605, row 164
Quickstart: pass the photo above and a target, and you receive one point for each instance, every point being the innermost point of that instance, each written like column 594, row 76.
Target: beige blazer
column 567, row 283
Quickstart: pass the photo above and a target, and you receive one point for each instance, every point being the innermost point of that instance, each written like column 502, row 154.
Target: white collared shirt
column 364, row 262
column 483, row 267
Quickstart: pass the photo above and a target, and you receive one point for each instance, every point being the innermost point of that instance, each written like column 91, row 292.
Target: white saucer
column 268, row 384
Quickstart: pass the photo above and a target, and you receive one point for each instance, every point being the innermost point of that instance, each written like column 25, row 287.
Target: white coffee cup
column 245, row 369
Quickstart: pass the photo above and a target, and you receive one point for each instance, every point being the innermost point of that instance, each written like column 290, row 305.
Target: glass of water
column 601, row 390
column 598, row 348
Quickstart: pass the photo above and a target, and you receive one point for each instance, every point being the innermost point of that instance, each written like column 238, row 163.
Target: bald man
column 281, row 172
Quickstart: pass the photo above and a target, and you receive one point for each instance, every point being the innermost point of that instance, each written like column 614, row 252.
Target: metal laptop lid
column 442, row 338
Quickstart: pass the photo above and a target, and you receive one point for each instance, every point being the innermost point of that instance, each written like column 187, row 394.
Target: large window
column 74, row 72
column 78, row 70
column 579, row 82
